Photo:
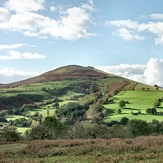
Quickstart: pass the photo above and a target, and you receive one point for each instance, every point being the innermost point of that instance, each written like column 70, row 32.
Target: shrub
column 11, row 136
column 138, row 127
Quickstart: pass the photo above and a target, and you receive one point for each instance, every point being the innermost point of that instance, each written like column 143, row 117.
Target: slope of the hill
column 58, row 82
column 63, row 73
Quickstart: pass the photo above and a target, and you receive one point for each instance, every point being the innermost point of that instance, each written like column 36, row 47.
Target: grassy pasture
column 23, row 129
column 138, row 101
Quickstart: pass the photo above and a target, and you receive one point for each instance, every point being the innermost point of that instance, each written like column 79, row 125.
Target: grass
column 138, row 101
column 23, row 129
column 141, row 149
column 13, row 117
column 14, row 147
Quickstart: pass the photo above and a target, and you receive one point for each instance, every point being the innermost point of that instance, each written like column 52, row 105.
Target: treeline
column 51, row 128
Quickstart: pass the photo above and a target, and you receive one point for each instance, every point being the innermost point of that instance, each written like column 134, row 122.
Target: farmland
column 139, row 100
column 42, row 93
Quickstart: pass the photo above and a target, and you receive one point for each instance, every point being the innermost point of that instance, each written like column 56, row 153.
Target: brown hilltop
column 72, row 72
column 63, row 73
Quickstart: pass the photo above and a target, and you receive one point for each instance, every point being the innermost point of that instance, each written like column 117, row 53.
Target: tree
column 155, row 126
column 124, row 121
column 138, row 127
column 157, row 104
column 56, row 105
column 119, row 111
column 122, row 104
column 11, row 136
column 50, row 129
column 148, row 111
column 3, row 119
column 154, row 111
column 53, row 125
column 38, row 132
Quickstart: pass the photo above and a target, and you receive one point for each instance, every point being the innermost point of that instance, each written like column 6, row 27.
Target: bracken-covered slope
column 63, row 73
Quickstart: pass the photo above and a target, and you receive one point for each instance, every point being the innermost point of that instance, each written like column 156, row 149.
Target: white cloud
column 156, row 16
column 9, row 75
column 31, row 22
column 151, row 73
column 123, row 23
column 53, row 8
column 129, row 35
column 4, row 15
column 12, row 46
column 71, row 24
column 22, row 6
column 17, row 55
column 155, row 28
column 127, row 28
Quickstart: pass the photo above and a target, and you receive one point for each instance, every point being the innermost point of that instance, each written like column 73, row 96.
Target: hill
column 62, row 73
column 55, row 82
column 96, row 94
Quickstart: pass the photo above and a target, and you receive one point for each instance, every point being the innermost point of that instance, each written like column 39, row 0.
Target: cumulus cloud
column 31, row 22
column 129, row 35
column 4, row 15
column 123, row 23
column 72, row 23
column 151, row 73
column 22, row 6
column 128, row 28
column 17, row 55
column 12, row 46
column 9, row 75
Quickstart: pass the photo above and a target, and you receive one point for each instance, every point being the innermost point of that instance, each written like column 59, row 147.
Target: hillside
column 58, row 81
column 62, row 73
column 75, row 93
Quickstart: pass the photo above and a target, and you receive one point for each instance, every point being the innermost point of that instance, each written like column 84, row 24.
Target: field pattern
column 138, row 101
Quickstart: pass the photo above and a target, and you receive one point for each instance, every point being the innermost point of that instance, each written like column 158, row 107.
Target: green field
column 138, row 101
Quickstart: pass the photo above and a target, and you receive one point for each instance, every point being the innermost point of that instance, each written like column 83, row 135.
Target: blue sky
column 119, row 37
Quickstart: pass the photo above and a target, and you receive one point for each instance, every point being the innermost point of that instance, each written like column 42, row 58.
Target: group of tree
column 52, row 128
column 123, row 103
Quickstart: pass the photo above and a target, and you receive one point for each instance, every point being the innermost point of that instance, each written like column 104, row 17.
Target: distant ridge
column 63, row 73
column 1, row 85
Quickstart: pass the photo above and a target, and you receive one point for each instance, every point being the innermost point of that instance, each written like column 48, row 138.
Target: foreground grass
column 141, row 149
column 15, row 147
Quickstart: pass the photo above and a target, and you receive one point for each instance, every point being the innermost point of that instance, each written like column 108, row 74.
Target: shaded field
column 139, row 100
column 141, row 149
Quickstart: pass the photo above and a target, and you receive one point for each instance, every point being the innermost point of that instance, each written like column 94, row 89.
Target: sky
column 120, row 37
